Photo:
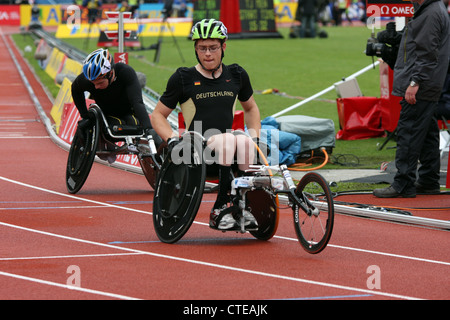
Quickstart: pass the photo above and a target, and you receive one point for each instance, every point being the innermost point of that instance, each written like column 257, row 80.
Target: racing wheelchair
column 95, row 136
column 181, row 184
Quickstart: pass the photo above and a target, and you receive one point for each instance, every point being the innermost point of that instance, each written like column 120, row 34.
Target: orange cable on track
column 296, row 166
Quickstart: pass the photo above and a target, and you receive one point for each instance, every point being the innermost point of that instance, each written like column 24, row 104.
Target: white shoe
column 227, row 222
column 249, row 220
column 222, row 221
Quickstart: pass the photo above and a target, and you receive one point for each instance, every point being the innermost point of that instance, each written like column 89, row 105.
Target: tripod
column 166, row 12
column 93, row 16
column 157, row 46
column 388, row 138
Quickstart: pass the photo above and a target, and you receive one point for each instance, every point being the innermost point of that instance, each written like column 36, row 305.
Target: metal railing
column 150, row 96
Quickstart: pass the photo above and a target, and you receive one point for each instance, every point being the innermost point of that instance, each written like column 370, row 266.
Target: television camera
column 385, row 45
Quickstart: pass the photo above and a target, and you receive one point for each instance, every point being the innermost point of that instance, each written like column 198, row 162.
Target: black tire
column 148, row 166
column 149, row 170
column 314, row 230
column 179, row 192
column 81, row 156
column 265, row 209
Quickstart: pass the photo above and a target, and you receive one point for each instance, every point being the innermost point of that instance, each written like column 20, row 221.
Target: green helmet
column 209, row 29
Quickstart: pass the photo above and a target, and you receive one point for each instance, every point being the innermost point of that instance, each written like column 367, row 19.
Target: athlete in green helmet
column 210, row 29
column 208, row 94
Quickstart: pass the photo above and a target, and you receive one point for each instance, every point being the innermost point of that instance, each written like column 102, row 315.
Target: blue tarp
column 284, row 146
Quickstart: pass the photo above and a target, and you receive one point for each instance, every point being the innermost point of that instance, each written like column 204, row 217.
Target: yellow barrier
column 148, row 29
column 64, row 96
column 55, row 63
column 71, row 69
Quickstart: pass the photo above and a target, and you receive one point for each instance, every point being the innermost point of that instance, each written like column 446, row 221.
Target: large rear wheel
column 81, row 155
column 179, row 190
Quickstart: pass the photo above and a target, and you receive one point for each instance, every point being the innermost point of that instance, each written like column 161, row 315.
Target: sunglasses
column 103, row 76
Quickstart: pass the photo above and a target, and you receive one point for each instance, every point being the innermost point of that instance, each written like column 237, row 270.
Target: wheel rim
column 314, row 229
column 81, row 157
column 178, row 195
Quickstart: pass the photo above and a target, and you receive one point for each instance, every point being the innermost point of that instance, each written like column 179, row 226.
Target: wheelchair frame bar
column 381, row 215
column 105, row 122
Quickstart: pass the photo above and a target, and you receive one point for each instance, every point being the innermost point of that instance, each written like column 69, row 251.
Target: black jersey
column 121, row 98
column 209, row 103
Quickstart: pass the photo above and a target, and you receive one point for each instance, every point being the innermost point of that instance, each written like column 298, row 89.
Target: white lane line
column 104, row 204
column 203, row 263
column 377, row 252
column 21, row 136
column 71, row 256
column 50, row 208
column 73, row 197
column 65, row 286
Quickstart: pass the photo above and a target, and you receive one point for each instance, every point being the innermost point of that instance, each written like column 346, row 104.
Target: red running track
column 100, row 243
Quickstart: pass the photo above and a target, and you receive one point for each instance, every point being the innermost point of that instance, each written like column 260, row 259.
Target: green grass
column 297, row 67
column 23, row 41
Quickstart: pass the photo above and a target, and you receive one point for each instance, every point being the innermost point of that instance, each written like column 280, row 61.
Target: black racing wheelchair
column 261, row 191
column 95, row 136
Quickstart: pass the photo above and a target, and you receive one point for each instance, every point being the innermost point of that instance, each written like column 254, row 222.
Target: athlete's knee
column 245, row 150
column 224, row 146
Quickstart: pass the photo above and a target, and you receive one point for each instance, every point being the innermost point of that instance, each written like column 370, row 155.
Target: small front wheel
column 314, row 227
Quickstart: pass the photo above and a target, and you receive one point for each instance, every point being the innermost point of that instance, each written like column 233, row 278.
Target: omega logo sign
column 389, row 8
column 397, row 11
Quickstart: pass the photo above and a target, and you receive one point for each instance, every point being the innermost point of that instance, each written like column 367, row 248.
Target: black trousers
column 417, row 141
column 443, row 108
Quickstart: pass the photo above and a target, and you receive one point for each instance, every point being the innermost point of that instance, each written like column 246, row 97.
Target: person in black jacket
column 419, row 74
